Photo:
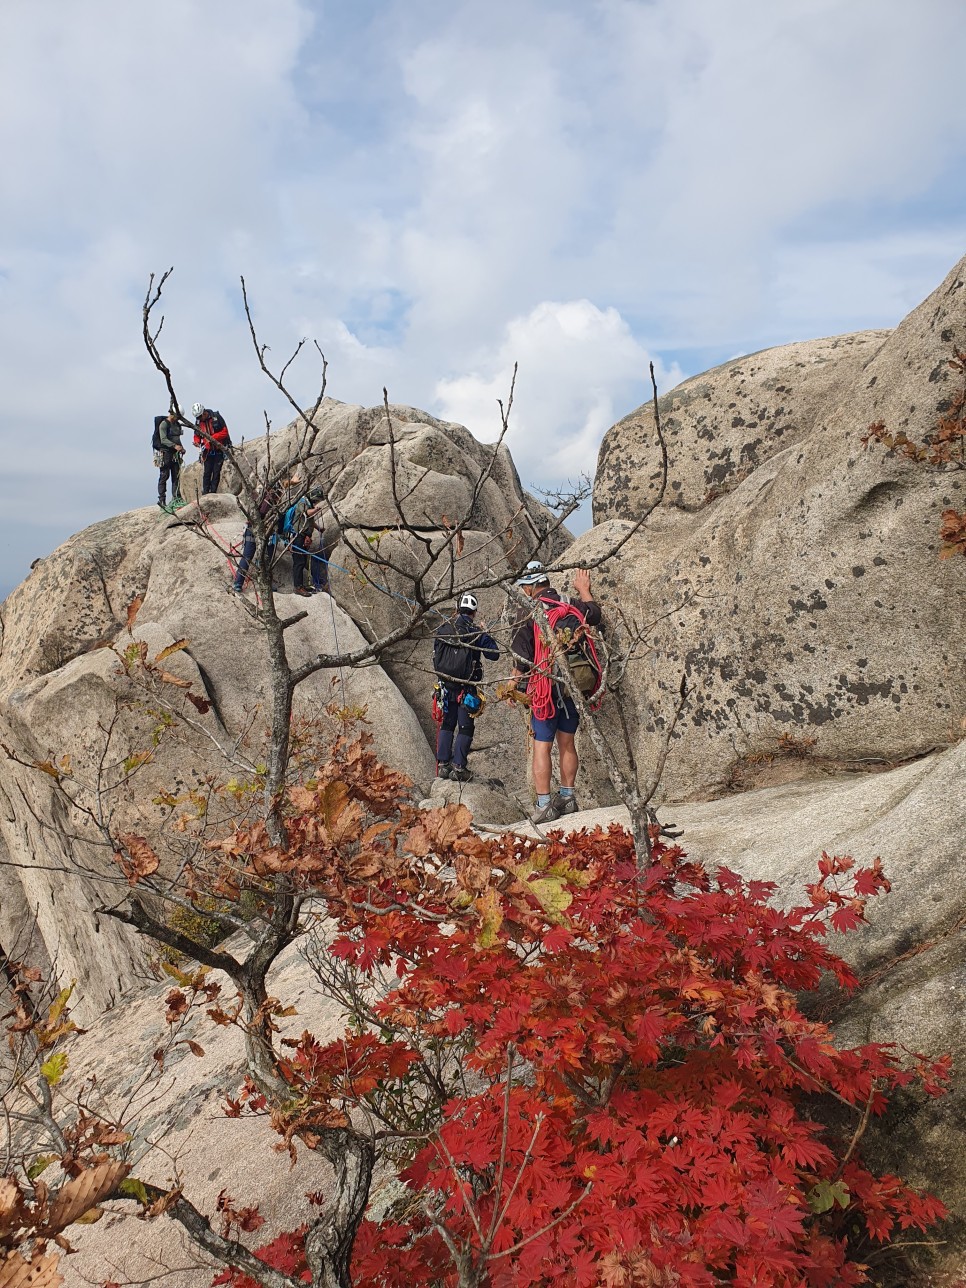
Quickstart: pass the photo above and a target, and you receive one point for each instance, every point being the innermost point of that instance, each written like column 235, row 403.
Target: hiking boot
column 548, row 814
column 460, row 774
column 565, row 804
column 300, row 590
column 444, row 769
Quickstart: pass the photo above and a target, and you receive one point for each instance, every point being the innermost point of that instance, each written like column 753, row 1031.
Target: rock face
column 793, row 575
column 62, row 692
column 720, row 426
column 183, row 1108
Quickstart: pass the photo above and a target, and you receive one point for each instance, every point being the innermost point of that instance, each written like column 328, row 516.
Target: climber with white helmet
column 458, row 652
column 211, row 435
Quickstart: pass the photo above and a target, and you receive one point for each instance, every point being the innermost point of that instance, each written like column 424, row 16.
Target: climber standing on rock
column 554, row 715
column 168, row 452
column 211, row 435
column 458, row 652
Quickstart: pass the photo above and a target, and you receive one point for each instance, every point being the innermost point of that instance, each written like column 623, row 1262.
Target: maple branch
column 504, row 1138
column 527, row 1158
column 229, row 1252
column 823, row 1086
column 538, row 1234
column 440, row 1144
column 859, row 1131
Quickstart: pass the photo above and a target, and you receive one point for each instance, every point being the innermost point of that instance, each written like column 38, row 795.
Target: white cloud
column 580, row 369
column 436, row 190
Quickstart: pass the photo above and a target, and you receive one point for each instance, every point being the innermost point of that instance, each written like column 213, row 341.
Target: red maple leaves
column 587, row 1075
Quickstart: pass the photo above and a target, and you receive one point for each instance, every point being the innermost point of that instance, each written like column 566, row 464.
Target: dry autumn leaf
column 39, row 1272
column 332, row 801
column 176, row 647
column 176, row 680
column 13, row 1213
column 142, row 862
column 438, row 830
column 82, row 1193
column 133, row 608
column 161, row 1205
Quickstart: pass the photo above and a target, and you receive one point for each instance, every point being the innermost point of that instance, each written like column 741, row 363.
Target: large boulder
column 64, row 693
column 416, row 470
column 720, row 426
column 795, row 585
column 148, row 579
column 394, row 492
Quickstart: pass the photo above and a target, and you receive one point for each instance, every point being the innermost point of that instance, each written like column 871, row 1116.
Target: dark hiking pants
column 318, row 567
column 170, row 469
column 212, row 471
column 452, row 745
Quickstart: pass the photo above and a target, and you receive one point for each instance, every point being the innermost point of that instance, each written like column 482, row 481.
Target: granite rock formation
column 147, row 577
column 793, row 575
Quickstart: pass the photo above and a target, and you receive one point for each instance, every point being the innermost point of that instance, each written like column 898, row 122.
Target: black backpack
column 453, row 660
column 156, row 436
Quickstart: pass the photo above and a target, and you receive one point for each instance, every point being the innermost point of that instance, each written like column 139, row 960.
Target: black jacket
column 480, row 644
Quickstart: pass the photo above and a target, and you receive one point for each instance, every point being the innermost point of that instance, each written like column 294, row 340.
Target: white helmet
column 468, row 603
column 533, row 575
column 197, row 409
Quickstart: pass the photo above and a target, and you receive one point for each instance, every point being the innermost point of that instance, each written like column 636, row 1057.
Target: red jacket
column 211, row 430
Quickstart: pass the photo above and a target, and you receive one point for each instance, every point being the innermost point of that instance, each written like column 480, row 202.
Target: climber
column 167, row 454
column 458, row 652
column 298, row 528
column 554, row 713
column 267, row 508
column 211, row 435
column 311, row 546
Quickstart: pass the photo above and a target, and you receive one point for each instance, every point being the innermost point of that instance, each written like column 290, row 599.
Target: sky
column 435, row 190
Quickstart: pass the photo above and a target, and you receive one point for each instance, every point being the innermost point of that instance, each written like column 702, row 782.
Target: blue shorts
column 565, row 719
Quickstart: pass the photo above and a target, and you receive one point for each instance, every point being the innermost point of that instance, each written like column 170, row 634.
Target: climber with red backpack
column 458, row 652
column 211, row 435
column 537, row 652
